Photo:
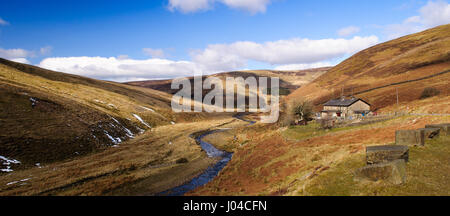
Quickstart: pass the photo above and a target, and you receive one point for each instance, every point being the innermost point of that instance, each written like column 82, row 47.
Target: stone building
column 345, row 107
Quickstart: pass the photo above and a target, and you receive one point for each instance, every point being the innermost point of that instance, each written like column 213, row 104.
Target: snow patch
column 115, row 120
column 114, row 140
column 149, row 109
column 99, row 101
column 7, row 162
column 142, row 121
column 33, row 101
column 140, row 130
column 129, row 133
column 15, row 182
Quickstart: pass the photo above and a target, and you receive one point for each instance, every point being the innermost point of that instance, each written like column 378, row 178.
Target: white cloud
column 293, row 51
column 15, row 53
column 21, row 60
column 47, row 50
column 22, row 55
column 120, row 69
column 287, row 54
column 347, row 31
column 122, row 57
column 154, row 53
column 189, row 6
column 434, row 13
column 412, row 20
column 398, row 30
column 252, row 6
column 303, row 66
column 3, row 22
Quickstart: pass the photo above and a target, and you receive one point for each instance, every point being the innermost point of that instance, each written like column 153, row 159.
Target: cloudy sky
column 136, row 40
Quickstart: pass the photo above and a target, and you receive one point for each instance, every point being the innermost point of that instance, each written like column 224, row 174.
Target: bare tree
column 296, row 112
column 303, row 111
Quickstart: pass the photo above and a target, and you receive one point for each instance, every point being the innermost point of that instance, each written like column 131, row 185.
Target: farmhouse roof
column 344, row 102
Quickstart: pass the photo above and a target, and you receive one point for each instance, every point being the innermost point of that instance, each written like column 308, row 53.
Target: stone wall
column 444, row 128
column 410, row 137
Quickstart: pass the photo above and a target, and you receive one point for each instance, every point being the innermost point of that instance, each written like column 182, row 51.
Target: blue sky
column 129, row 40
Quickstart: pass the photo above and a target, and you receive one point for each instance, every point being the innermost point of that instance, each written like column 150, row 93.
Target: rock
column 445, row 128
column 431, row 133
column 410, row 137
column 386, row 153
column 393, row 172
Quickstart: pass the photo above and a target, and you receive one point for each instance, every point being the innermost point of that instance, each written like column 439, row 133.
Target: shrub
column 303, row 111
column 429, row 92
column 297, row 110
column 327, row 123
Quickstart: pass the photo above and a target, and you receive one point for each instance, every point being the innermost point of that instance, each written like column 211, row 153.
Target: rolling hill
column 289, row 80
column 48, row 116
column 409, row 64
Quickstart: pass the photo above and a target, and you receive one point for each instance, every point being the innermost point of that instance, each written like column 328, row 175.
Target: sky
column 138, row 40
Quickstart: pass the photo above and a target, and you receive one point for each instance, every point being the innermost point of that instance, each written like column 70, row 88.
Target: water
column 211, row 171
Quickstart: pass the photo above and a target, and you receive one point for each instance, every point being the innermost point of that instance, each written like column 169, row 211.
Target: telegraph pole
column 396, row 89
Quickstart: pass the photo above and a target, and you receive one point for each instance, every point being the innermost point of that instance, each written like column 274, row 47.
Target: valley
column 63, row 134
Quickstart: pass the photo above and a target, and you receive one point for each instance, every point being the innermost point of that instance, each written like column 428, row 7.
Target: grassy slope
column 428, row 173
column 141, row 166
column 70, row 111
column 72, row 115
column 307, row 161
column 289, row 80
column 271, row 161
column 410, row 57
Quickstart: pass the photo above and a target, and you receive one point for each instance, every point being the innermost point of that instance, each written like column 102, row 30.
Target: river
column 211, row 171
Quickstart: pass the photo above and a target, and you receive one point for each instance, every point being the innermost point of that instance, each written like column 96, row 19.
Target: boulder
column 386, row 153
column 431, row 133
column 444, row 128
column 393, row 172
column 410, row 137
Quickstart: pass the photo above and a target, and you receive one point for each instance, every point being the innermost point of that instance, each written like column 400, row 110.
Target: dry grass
column 271, row 164
column 428, row 173
column 149, row 158
column 74, row 115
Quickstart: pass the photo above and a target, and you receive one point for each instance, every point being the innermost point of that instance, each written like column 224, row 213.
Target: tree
column 303, row 110
column 295, row 112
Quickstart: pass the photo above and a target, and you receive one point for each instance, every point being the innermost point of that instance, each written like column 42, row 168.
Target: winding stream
column 211, row 171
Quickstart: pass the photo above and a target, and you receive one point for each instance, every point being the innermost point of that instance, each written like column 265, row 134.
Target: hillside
column 407, row 62
column 48, row 116
column 308, row 160
column 289, row 80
